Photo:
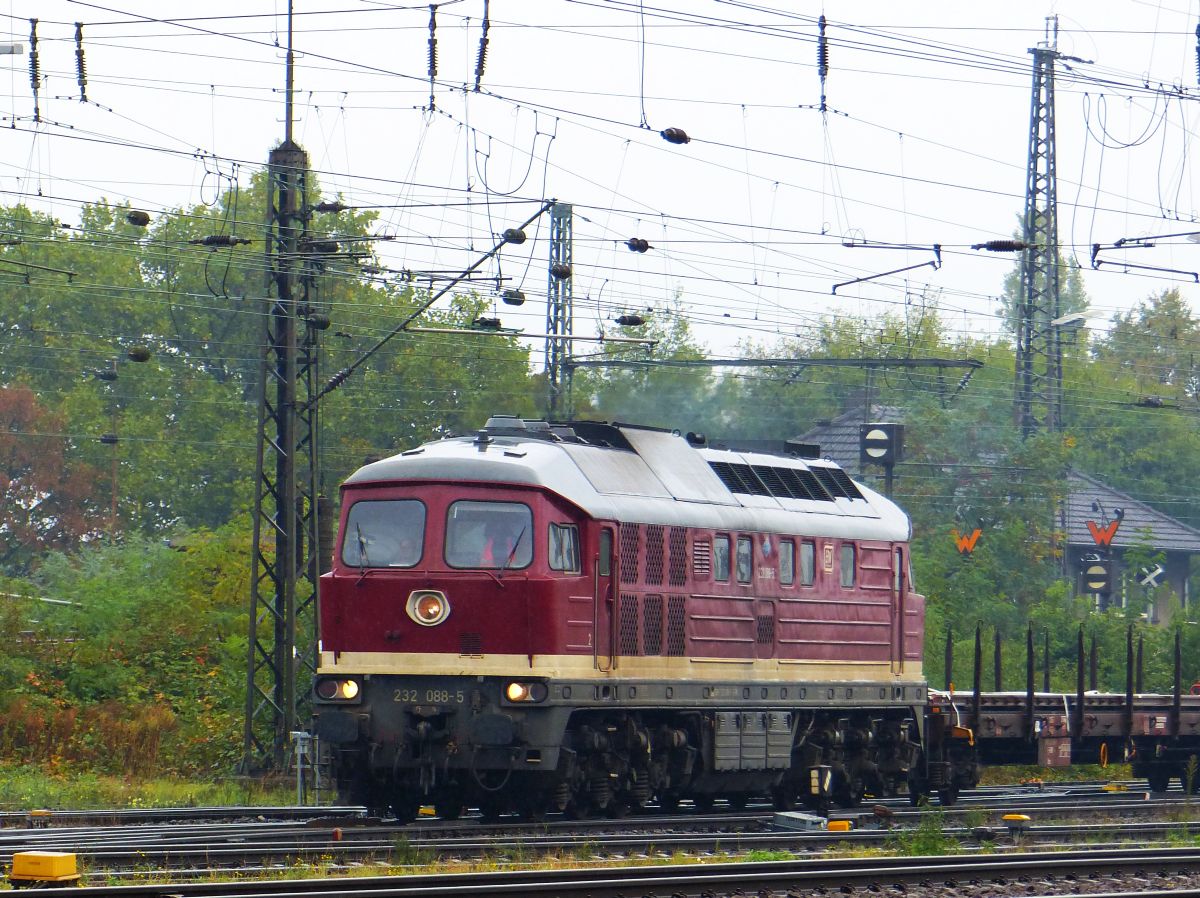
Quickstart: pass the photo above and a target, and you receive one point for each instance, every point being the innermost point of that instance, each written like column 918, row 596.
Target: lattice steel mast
column 1038, row 380
column 282, row 635
column 558, row 309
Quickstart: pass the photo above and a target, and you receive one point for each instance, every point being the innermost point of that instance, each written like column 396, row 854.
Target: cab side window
column 564, row 548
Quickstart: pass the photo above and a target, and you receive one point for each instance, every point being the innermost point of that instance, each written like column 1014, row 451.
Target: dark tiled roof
column 1165, row 533
column 838, row 440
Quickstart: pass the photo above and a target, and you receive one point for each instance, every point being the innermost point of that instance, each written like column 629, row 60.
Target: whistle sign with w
column 966, row 544
column 1104, row 536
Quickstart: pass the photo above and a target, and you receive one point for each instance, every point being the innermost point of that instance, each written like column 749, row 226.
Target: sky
column 923, row 140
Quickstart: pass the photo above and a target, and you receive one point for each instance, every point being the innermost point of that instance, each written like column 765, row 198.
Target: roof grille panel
column 771, row 479
column 812, row 485
column 848, row 486
column 832, row 485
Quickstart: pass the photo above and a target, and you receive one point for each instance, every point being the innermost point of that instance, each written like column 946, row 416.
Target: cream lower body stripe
column 582, row 667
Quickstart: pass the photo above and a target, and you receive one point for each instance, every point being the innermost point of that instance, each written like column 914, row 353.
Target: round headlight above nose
column 428, row 607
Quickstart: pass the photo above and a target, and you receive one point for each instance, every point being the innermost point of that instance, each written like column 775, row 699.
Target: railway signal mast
column 1038, row 381
column 282, row 635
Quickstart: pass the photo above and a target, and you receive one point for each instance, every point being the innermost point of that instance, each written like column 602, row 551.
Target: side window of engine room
column 384, row 533
column 745, row 558
column 808, row 563
column 721, row 557
column 847, row 564
column 564, row 548
column 787, row 562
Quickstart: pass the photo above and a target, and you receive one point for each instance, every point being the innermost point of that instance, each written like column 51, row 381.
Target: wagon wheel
column 784, row 798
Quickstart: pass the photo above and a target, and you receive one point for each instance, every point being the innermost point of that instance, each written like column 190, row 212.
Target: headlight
column 332, row 690
column 525, row 692
column 428, row 607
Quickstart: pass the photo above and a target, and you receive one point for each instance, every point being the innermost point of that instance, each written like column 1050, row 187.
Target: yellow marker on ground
column 839, row 826
column 43, row 866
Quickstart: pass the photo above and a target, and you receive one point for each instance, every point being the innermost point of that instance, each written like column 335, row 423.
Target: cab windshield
column 384, row 533
column 489, row 535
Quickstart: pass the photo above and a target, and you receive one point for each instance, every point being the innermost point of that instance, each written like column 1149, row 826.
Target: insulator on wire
column 432, row 51
column 513, row 297
column 637, row 244
column 630, row 320
column 221, row 240
column 329, row 207
column 560, row 270
column 675, row 135
column 137, row 218
column 1001, row 246
column 80, row 63
column 138, row 353
column 822, row 49
column 514, row 236
column 481, row 59
column 489, row 324
column 35, row 69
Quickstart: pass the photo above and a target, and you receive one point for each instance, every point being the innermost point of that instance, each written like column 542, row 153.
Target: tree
column 49, row 499
column 1156, row 344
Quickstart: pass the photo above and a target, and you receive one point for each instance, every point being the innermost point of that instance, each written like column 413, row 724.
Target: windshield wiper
column 513, row 553
column 362, row 553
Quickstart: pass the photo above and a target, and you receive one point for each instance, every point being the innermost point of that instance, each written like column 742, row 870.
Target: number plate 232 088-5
column 428, row 696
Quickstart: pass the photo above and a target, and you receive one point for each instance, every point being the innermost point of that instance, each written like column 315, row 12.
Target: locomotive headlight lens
column 331, row 690
column 428, row 607
column 526, row 692
column 517, row 692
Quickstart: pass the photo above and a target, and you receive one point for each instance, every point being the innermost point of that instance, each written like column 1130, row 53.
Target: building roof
column 1090, row 500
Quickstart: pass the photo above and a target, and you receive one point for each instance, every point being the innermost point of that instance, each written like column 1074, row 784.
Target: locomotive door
column 604, row 602
column 897, row 610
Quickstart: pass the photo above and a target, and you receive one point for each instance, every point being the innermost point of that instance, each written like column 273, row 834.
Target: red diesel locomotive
column 587, row 616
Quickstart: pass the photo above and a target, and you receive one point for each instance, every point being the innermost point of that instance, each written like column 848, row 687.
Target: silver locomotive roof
column 628, row 473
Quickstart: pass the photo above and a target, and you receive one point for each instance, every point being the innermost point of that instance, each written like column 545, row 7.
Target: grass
column 26, row 787
column 1017, row 774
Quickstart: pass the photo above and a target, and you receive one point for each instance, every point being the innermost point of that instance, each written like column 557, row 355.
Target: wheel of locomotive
column 578, row 809
column 404, row 806
column 738, row 801
column 668, row 802
column 618, row 808
column 703, row 803
column 449, row 806
column 1159, row 779
column 947, row 796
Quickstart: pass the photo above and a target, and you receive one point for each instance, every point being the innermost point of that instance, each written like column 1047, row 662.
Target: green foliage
column 928, row 838
column 142, row 668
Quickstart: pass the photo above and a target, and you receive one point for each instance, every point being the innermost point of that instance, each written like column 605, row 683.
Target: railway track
column 263, row 848
column 1146, row 871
